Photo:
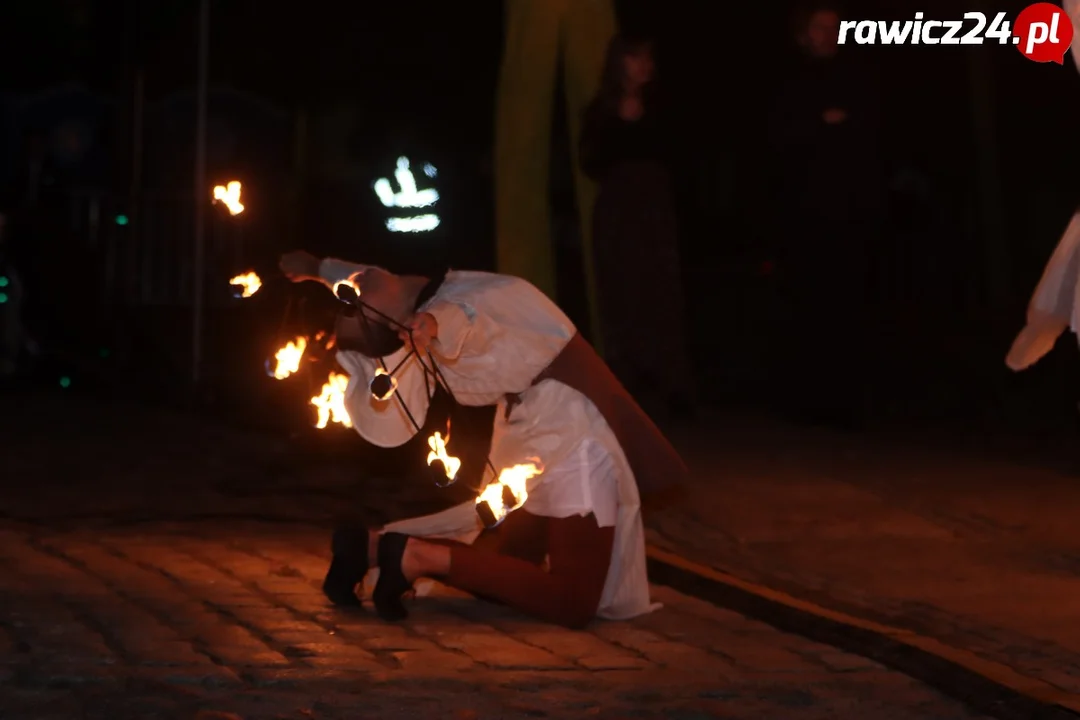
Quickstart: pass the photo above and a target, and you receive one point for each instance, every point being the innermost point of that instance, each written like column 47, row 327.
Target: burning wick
column 287, row 359
column 441, row 463
column 382, row 385
column 331, row 403
column 506, row 494
column 246, row 285
column 229, row 195
column 346, row 291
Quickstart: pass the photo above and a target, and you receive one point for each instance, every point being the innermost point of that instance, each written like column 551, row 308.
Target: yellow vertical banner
column 538, row 35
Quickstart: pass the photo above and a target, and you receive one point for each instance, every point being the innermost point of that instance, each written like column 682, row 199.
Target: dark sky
column 434, row 64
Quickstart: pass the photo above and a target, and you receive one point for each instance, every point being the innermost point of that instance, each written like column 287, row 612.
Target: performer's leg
column 523, row 141
column 588, row 30
column 523, row 536
column 568, row 594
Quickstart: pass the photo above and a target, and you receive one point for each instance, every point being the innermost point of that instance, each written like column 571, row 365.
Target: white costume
column 496, row 335
column 1054, row 305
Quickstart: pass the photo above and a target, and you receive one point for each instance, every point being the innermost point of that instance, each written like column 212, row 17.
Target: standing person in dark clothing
column 828, row 184
column 624, row 147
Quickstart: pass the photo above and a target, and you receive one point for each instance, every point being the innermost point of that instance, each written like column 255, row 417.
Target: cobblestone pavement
column 201, row 619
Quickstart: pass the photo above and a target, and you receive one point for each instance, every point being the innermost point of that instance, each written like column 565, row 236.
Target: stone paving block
column 580, row 647
column 234, row 645
column 752, row 653
column 304, row 678
column 720, row 617
column 69, row 673
column 311, row 604
column 314, row 635
column 496, row 650
column 269, row 619
column 661, row 651
column 204, row 674
column 432, row 660
column 331, row 655
column 174, row 653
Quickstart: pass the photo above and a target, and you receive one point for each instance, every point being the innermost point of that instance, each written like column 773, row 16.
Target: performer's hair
column 607, row 97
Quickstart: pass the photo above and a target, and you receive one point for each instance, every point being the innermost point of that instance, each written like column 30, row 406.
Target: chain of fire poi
column 507, row 490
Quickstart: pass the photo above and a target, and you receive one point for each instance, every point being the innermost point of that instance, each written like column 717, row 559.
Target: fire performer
column 499, row 340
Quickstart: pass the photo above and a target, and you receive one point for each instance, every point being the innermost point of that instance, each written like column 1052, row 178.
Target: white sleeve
column 385, row 423
column 333, row 271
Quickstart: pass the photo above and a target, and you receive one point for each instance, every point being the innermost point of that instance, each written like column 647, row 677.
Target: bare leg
column 568, row 594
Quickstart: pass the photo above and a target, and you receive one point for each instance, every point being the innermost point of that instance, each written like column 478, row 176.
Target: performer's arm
column 333, row 271
column 300, row 266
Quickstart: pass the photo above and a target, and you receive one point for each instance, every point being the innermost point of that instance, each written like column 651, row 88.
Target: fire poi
column 246, row 285
column 229, row 196
column 443, row 465
column 505, row 494
column 506, row 491
column 287, row 359
column 331, row 402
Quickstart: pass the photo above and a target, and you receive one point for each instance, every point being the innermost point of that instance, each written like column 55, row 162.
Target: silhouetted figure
column 625, row 148
column 828, row 193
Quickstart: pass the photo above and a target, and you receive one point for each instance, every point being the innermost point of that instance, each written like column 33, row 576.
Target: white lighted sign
column 409, row 197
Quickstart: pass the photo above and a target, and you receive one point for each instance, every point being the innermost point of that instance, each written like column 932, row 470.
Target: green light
column 103, row 352
column 3, row 298
column 65, row 382
column 121, row 219
column 4, row 281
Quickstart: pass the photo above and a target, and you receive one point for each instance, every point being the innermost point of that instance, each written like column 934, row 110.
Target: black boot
column 392, row 583
column 348, row 566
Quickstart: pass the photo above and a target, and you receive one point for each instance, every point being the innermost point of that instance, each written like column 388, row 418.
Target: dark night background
column 309, row 104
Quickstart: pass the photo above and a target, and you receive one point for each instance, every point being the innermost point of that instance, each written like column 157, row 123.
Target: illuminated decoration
column 287, row 359
column 246, row 285
column 229, row 196
column 506, row 494
column 331, row 402
column 415, row 224
column 409, row 197
column 383, row 385
column 443, row 465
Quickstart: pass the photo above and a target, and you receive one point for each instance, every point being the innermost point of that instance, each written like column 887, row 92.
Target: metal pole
column 200, row 193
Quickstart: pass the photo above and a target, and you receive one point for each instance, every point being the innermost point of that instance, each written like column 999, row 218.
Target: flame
column 516, row 478
column 348, row 282
column 438, row 452
column 288, row 358
column 331, row 403
column 393, row 385
column 229, row 195
column 249, row 281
